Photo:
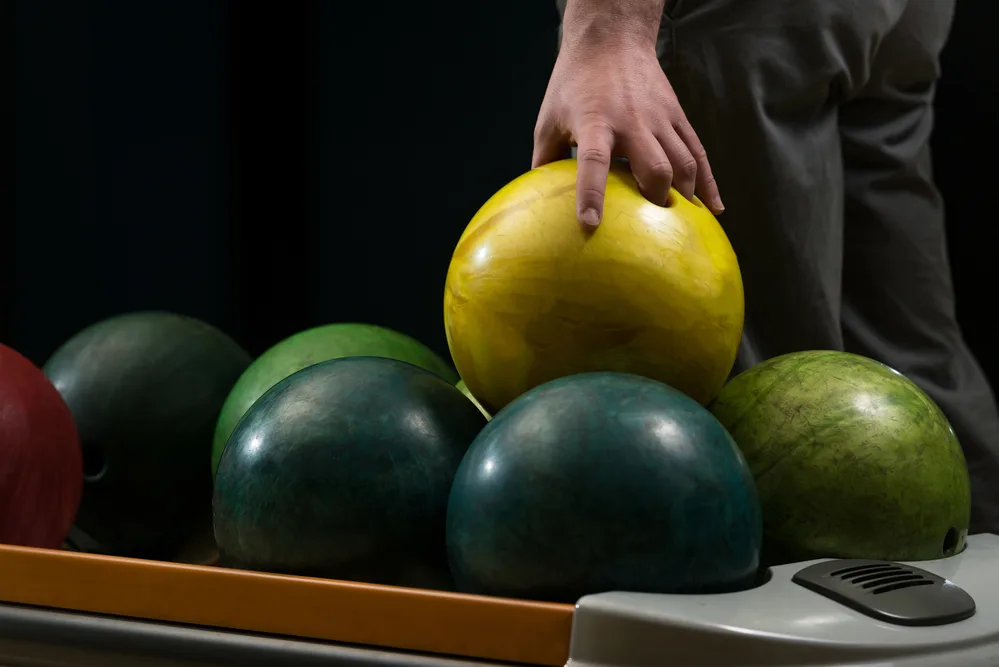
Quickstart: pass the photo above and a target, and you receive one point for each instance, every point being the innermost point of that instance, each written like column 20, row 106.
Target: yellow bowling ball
column 532, row 296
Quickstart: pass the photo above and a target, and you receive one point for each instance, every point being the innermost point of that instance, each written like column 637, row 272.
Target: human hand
column 609, row 96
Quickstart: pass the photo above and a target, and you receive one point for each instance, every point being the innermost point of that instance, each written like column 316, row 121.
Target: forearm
column 611, row 21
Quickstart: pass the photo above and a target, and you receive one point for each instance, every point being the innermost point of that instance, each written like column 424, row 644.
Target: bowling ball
column 145, row 390
column 342, row 470
column 601, row 482
column 333, row 341
column 41, row 467
column 531, row 296
column 464, row 389
column 851, row 459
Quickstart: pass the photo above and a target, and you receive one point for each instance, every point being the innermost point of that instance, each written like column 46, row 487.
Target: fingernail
column 719, row 206
column 590, row 217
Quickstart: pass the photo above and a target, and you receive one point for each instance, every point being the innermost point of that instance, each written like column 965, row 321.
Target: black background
column 272, row 166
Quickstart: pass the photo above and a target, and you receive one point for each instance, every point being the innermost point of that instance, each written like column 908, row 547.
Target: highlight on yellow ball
column 532, row 296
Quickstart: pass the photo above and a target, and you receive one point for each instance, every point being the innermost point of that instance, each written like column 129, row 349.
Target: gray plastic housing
column 783, row 623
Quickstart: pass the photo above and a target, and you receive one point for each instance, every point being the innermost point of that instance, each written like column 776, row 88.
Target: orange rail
column 384, row 616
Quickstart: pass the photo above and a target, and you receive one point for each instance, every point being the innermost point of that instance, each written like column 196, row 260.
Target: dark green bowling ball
column 342, row 470
column 332, row 341
column 603, row 482
column 145, row 390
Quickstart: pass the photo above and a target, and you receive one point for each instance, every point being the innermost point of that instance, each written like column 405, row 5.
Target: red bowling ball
column 41, row 463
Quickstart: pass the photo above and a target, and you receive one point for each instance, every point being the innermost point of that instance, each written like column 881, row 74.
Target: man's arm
column 609, row 96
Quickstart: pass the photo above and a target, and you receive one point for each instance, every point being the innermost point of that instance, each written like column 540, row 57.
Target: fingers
column 669, row 157
column 705, row 185
column 651, row 167
column 682, row 162
column 593, row 155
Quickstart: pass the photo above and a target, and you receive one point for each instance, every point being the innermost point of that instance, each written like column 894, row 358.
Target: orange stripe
column 400, row 618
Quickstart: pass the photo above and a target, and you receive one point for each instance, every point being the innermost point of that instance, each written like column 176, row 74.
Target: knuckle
column 591, row 195
column 594, row 120
column 682, row 125
column 661, row 171
column 593, row 155
column 688, row 168
column 542, row 128
column 592, row 108
column 595, row 124
column 699, row 155
column 631, row 113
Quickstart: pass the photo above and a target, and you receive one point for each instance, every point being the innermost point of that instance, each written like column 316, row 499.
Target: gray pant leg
column 898, row 300
column 758, row 80
column 816, row 116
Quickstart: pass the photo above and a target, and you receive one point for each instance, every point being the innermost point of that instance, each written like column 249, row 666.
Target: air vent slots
column 863, row 569
column 879, row 576
column 890, row 592
column 901, row 585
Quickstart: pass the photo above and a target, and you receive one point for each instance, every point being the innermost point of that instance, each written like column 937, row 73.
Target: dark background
column 272, row 166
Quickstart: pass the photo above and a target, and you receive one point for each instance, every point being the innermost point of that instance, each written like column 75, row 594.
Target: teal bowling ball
column 342, row 471
column 603, row 482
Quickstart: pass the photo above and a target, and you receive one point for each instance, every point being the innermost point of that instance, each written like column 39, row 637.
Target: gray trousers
column 816, row 116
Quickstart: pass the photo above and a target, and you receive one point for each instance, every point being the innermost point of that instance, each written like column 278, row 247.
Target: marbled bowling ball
column 603, row 482
column 531, row 296
column 852, row 460
column 342, row 470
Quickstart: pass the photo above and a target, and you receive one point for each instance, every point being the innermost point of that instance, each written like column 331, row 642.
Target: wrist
column 611, row 23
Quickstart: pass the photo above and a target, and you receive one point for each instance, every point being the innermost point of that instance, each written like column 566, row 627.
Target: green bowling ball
column 333, row 341
column 851, row 459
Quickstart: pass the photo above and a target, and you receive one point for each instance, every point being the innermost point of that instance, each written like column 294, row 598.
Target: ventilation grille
column 890, row 592
column 880, row 578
